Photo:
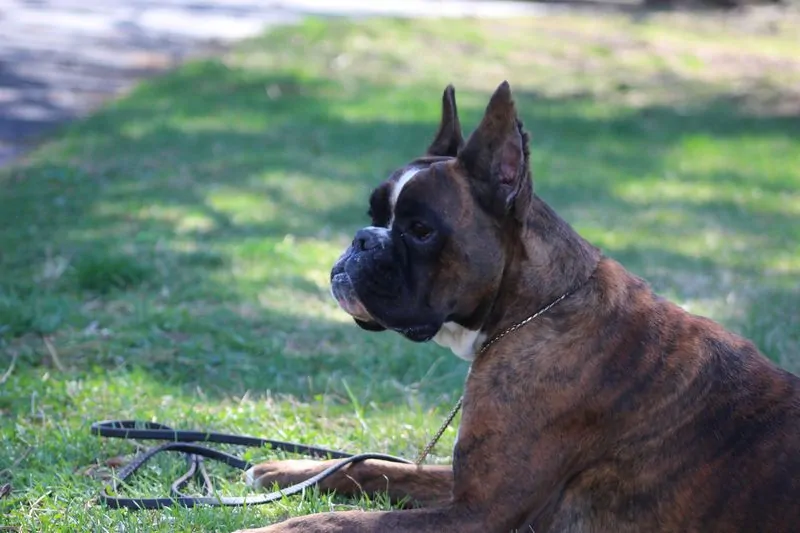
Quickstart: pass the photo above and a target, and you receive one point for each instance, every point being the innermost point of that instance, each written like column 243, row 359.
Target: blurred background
column 177, row 178
column 61, row 58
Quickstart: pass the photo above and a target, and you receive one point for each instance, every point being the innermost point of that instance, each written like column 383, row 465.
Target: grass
column 173, row 249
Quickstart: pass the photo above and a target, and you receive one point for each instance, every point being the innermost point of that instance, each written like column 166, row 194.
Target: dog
column 592, row 404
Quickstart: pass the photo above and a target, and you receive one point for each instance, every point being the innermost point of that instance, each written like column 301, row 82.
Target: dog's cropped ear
column 448, row 139
column 496, row 154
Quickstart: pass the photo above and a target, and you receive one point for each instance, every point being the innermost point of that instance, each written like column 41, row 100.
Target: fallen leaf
column 118, row 461
column 103, row 471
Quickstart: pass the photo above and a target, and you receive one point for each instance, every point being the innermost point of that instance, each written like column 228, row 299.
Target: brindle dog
column 614, row 411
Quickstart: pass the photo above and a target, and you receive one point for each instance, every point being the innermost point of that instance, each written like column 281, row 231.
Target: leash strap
column 183, row 442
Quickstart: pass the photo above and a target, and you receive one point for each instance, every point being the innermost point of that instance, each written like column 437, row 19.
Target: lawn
column 167, row 258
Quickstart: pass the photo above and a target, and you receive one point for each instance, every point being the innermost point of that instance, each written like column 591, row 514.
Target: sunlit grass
column 175, row 247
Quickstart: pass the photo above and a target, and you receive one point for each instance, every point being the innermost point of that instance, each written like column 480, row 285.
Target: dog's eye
column 420, row 231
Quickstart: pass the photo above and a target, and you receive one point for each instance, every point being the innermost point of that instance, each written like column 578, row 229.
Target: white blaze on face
column 401, row 182
column 462, row 341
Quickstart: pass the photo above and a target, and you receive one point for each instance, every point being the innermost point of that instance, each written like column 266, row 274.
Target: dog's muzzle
column 367, row 240
column 345, row 295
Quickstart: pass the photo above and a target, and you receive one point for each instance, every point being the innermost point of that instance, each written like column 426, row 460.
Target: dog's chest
column 463, row 342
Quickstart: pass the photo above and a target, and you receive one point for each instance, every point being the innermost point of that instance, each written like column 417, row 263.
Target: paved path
column 60, row 58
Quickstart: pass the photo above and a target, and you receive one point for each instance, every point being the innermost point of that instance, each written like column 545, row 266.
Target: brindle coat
column 615, row 411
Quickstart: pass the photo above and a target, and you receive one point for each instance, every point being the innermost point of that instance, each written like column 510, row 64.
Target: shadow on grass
column 231, row 192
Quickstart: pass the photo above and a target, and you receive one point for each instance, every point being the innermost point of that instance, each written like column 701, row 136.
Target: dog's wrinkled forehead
column 384, row 200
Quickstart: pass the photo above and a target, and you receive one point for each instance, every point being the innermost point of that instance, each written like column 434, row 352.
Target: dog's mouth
column 343, row 290
column 345, row 295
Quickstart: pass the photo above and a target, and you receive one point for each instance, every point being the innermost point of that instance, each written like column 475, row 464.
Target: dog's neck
column 546, row 260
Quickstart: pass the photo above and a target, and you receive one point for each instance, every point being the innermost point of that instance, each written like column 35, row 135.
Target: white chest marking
column 401, row 182
column 462, row 341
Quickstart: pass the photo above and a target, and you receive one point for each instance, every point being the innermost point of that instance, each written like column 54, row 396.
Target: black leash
column 182, row 441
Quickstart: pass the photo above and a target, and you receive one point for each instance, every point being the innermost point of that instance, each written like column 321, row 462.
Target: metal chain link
column 442, row 428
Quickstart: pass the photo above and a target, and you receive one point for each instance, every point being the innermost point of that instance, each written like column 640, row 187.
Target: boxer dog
column 613, row 410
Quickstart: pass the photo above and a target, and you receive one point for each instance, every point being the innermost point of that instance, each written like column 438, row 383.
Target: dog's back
column 702, row 430
column 738, row 440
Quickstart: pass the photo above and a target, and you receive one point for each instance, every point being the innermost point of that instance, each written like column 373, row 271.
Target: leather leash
column 183, row 441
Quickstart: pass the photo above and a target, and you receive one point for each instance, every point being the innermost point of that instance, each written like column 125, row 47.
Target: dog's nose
column 366, row 240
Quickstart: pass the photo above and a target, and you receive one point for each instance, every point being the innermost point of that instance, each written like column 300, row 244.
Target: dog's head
column 436, row 249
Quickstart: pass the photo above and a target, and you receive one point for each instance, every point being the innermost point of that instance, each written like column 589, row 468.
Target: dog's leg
column 497, row 481
column 435, row 520
column 427, row 485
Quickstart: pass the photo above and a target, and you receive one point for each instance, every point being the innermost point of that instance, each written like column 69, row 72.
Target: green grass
column 174, row 248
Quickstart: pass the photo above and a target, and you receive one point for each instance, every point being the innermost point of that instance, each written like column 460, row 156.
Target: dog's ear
column 448, row 139
column 496, row 155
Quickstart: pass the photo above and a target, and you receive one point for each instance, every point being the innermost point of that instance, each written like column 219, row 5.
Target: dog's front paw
column 340, row 522
column 284, row 473
column 275, row 528
column 302, row 524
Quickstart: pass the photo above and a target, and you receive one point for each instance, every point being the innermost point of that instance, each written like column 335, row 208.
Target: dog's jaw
column 463, row 342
